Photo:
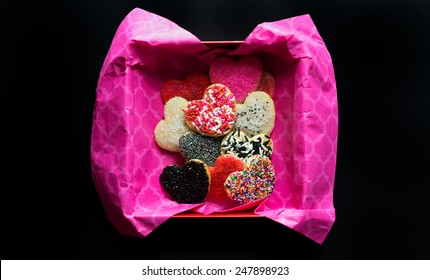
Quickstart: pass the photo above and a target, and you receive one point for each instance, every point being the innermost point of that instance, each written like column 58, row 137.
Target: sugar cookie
column 190, row 88
column 224, row 166
column 239, row 144
column 193, row 145
column 188, row 183
column 168, row 131
column 257, row 114
column 241, row 77
column 255, row 182
column 215, row 114
column 267, row 84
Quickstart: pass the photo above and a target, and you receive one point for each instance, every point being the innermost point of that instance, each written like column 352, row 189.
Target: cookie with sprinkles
column 168, row 131
column 243, row 146
column 224, row 166
column 215, row 114
column 190, row 88
column 257, row 114
column 255, row 182
column 193, row 145
column 188, row 183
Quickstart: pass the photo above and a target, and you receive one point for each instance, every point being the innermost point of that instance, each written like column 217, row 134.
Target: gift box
column 147, row 50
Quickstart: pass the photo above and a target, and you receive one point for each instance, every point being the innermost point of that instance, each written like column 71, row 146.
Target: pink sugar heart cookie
column 241, row 77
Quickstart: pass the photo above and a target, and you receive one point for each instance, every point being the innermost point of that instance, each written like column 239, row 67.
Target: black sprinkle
column 196, row 146
column 186, row 184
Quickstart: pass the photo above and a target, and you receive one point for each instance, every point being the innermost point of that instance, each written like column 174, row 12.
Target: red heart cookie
column 191, row 88
column 241, row 77
column 255, row 182
column 224, row 166
column 215, row 114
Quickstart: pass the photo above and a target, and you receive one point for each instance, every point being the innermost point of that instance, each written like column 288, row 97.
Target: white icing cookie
column 256, row 115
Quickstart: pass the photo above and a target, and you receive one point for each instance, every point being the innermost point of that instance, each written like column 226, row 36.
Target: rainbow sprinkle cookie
column 255, row 182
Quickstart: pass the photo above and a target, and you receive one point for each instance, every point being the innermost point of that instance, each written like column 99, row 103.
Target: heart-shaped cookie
column 241, row 77
column 168, row 131
column 255, row 182
column 267, row 84
column 257, row 114
column 243, row 146
column 197, row 146
column 188, row 183
column 190, row 88
column 215, row 114
column 224, row 166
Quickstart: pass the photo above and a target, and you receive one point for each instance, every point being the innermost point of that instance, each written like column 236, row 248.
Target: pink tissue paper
column 148, row 49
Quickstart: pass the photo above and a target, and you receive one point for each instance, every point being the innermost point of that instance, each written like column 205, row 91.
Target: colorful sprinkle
column 255, row 182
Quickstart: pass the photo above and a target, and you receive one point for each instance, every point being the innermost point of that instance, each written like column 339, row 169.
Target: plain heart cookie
column 188, row 183
column 190, row 88
column 267, row 84
column 224, row 166
column 168, row 131
column 256, row 115
column 255, row 182
column 215, row 114
column 243, row 146
column 241, row 77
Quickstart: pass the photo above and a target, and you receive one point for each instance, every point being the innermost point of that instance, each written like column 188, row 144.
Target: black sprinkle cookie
column 257, row 114
column 197, row 146
column 188, row 183
column 243, row 146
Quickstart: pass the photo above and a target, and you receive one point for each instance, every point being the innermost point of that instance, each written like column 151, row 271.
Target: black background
column 52, row 54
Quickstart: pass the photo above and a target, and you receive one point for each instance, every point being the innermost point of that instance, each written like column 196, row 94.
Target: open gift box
column 126, row 162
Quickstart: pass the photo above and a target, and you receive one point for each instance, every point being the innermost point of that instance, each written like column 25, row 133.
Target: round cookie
column 257, row 114
column 224, row 166
column 239, row 144
column 188, row 183
column 215, row 114
column 255, row 182
column 193, row 145
column 190, row 88
column 241, row 77
column 168, row 131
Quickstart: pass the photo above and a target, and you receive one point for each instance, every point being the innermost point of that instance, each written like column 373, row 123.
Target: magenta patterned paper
column 148, row 49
